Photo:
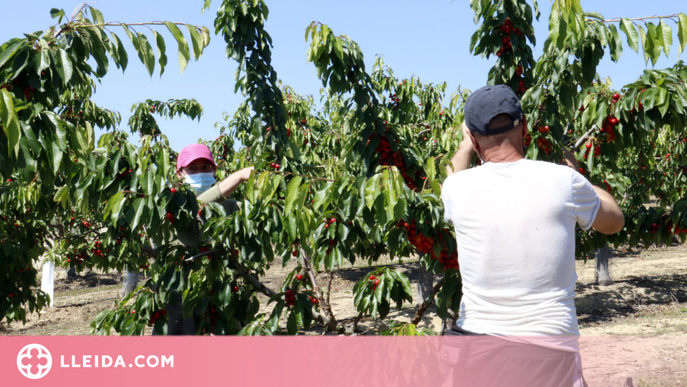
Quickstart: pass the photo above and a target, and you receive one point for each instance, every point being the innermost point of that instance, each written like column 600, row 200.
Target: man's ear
column 524, row 128
column 475, row 144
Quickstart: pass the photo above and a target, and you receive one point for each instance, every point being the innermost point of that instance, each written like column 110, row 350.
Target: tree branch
column 149, row 251
column 306, row 176
column 327, row 317
column 617, row 19
column 245, row 274
column 425, row 304
column 582, row 139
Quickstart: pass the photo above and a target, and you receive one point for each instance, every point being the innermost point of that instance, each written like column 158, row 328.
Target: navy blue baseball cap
column 488, row 102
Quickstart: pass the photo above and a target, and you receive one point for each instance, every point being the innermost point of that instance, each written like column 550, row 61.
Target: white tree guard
column 48, row 281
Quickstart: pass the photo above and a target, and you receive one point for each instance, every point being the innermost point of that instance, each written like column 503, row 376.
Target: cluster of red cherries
column 425, row 245
column 388, row 157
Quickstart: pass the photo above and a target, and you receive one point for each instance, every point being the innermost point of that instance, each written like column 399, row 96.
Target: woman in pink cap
column 196, row 165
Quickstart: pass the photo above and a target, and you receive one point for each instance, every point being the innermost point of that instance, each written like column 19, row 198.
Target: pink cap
column 193, row 152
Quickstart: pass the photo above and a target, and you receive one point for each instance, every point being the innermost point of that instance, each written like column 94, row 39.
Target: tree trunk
column 71, row 273
column 425, row 285
column 603, row 275
column 129, row 282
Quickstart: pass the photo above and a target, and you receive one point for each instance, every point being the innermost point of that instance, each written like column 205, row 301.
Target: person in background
column 197, row 167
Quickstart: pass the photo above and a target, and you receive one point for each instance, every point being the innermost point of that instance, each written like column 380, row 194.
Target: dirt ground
column 635, row 328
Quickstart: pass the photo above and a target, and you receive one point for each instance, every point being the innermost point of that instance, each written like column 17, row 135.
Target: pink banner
column 285, row 361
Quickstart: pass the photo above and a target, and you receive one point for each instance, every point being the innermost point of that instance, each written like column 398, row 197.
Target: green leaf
column 6, row 108
column 117, row 208
column 616, row 43
column 197, row 40
column 139, row 206
column 653, row 42
column 302, row 196
column 629, row 29
column 97, row 16
column 64, row 66
column 55, row 13
column 122, row 58
column 184, row 54
column 145, row 53
column 321, row 196
column 430, row 169
column 56, row 158
column 667, row 36
column 292, row 194
column 206, row 5
column 682, row 33
column 372, row 190
column 163, row 160
column 12, row 128
column 10, row 51
column 161, row 49
column 292, row 324
column 61, row 196
column 645, row 41
column 41, row 61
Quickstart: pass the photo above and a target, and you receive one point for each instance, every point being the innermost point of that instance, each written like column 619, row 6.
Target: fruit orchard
column 355, row 179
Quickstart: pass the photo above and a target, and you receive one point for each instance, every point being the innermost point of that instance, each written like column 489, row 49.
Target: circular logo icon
column 34, row 361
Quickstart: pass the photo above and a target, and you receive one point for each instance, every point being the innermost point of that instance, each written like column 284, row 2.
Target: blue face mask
column 201, row 182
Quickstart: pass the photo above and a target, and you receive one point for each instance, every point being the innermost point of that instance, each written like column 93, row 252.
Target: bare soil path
column 636, row 327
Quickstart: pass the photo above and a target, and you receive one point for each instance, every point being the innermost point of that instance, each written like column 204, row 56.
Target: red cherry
column 616, row 96
column 294, row 253
column 235, row 289
column 326, row 225
column 613, row 121
column 588, row 145
column 376, row 282
column 332, row 220
column 372, row 277
column 173, row 190
column 170, row 217
column 289, row 293
column 133, row 311
column 299, row 277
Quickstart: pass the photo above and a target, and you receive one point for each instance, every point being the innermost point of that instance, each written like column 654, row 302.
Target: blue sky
column 428, row 39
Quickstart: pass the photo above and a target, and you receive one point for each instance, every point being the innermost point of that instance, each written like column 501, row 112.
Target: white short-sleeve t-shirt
column 515, row 228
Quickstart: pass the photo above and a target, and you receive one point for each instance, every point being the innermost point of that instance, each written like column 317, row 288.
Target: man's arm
column 609, row 219
column 229, row 185
column 461, row 160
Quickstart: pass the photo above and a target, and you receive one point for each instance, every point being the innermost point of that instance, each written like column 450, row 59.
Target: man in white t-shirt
column 515, row 226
